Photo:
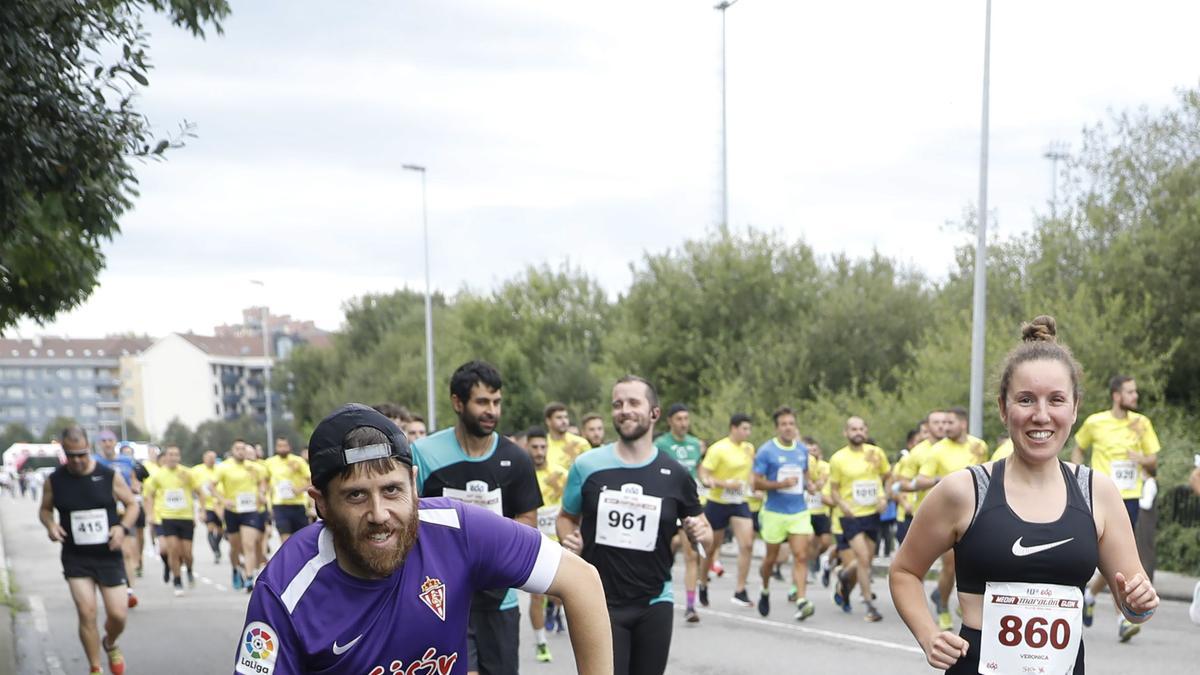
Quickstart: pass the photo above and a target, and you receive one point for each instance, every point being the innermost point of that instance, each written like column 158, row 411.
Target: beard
column 351, row 541
column 474, row 425
column 641, row 429
column 857, row 439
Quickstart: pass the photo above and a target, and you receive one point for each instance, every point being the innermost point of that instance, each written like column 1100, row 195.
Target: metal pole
column 724, row 129
column 1055, row 152
column 266, row 331
column 430, row 405
column 980, row 303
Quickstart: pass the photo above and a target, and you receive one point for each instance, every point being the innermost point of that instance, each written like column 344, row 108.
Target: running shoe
column 742, row 599
column 138, row 571
column 178, row 588
column 237, row 579
column 191, row 579
column 718, row 569
column 703, row 593
column 1089, row 611
column 116, row 660
column 691, row 616
column 793, row 594
column 825, row 576
column 550, row 617
column 804, row 609
column 132, row 599
column 764, row 604
column 873, row 614
column 936, row 598
column 95, row 669
column 945, row 621
column 777, row 574
column 559, row 619
column 1194, row 610
column 1127, row 629
column 543, row 653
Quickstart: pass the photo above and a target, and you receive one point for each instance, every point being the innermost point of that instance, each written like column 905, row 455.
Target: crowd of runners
column 410, row 548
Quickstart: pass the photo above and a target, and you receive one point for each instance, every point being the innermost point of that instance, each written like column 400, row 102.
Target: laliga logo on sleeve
column 260, row 646
column 433, row 594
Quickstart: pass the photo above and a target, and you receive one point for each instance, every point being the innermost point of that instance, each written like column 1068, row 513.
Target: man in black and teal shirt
column 687, row 450
column 472, row 463
column 623, row 504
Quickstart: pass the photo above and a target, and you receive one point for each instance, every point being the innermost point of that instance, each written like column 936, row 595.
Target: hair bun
column 1041, row 329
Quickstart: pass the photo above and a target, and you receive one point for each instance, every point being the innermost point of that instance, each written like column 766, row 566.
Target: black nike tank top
column 84, row 493
column 999, row 546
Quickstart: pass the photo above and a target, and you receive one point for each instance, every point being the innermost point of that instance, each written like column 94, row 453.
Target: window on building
column 87, row 392
column 217, row 410
column 15, row 393
column 49, row 352
column 63, row 373
column 83, row 373
column 67, row 392
column 87, row 410
column 51, row 411
column 67, row 411
column 70, row 352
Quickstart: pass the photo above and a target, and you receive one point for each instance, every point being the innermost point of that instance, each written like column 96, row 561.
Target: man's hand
column 573, row 542
column 56, row 533
column 116, row 537
column 791, row 481
column 697, row 529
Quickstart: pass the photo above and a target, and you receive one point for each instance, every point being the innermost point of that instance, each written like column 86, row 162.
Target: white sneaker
column 1149, row 492
column 1194, row 610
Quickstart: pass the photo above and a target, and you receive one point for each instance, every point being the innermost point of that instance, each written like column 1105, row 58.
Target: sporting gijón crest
column 433, row 594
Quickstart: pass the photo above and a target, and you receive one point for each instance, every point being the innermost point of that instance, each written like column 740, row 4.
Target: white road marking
column 811, row 631
column 220, row 587
column 205, row 580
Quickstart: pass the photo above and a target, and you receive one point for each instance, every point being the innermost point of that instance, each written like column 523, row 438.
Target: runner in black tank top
column 999, row 546
column 1027, row 533
column 85, row 495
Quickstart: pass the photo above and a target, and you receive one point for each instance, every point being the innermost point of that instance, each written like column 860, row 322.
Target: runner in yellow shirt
column 906, row 469
column 543, row 613
column 1005, row 449
column 933, row 428
column 205, row 474
column 857, row 474
column 241, row 485
column 1123, row 446
column 822, row 546
column 289, row 478
column 562, row 446
column 725, row 471
column 169, row 494
column 955, row 452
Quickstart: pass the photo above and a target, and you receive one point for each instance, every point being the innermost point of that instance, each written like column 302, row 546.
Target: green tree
column 69, row 133
column 15, row 432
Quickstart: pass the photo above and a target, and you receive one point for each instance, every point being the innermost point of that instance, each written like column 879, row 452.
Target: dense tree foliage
column 69, row 133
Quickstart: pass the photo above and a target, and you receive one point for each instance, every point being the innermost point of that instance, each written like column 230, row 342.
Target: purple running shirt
column 306, row 615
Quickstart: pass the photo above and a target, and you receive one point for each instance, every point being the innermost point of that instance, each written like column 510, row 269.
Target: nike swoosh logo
column 1022, row 551
column 338, row 651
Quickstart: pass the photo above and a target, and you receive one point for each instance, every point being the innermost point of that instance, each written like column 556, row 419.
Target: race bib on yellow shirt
column 245, row 502
column 547, row 516
column 175, row 499
column 866, row 492
column 1124, row 474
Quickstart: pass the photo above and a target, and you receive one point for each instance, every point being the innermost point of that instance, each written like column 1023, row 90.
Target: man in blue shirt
column 384, row 583
column 126, row 466
column 781, row 469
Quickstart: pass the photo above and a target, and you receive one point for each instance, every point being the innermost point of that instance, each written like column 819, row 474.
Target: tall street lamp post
column 980, row 303
column 430, row 408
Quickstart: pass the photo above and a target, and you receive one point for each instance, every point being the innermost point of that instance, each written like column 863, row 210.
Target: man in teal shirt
column 686, row 449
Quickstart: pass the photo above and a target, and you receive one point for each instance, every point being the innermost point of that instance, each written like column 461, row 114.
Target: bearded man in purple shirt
column 383, row 584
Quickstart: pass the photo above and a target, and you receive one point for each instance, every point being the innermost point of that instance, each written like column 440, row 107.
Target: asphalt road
column 198, row 633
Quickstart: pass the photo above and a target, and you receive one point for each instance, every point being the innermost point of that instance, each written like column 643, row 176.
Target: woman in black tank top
column 1027, row 533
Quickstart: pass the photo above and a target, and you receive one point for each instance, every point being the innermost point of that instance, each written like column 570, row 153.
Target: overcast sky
column 590, row 132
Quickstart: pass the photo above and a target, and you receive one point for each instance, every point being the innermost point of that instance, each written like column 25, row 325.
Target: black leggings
column 641, row 638
column 969, row 664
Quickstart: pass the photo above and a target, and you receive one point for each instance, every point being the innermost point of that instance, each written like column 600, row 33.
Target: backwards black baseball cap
column 326, row 454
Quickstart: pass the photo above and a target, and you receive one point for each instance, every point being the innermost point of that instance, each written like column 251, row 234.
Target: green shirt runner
column 686, row 451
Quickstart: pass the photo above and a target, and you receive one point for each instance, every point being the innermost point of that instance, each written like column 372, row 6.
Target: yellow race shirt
column 919, row 453
column 1003, row 450
column 818, row 470
column 202, row 476
column 1110, row 441
column 238, row 482
column 562, row 453
column 727, row 461
column 907, row 469
column 859, row 477
column 551, row 480
column 289, row 478
column 172, row 490
column 948, row 456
